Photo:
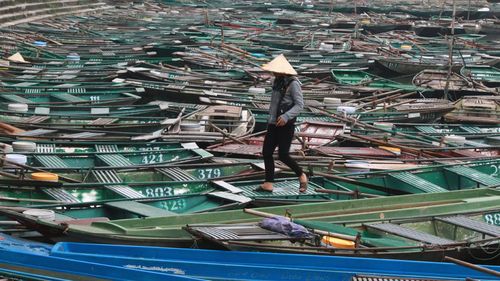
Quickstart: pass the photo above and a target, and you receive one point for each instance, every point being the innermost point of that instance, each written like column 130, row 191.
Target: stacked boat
column 132, row 133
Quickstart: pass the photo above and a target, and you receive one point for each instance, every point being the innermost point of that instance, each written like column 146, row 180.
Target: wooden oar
column 31, row 200
column 34, row 183
column 390, row 105
column 473, row 266
column 364, row 184
column 349, row 193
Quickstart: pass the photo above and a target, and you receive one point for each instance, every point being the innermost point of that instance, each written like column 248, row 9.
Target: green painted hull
column 167, row 231
column 17, row 194
column 368, row 81
column 82, row 160
column 432, row 178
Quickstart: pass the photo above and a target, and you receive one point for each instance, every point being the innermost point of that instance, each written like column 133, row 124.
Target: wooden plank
column 140, row 209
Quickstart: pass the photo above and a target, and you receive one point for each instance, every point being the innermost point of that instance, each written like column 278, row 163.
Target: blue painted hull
column 30, row 258
column 222, row 265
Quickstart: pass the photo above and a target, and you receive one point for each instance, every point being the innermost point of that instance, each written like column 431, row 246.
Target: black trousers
column 280, row 137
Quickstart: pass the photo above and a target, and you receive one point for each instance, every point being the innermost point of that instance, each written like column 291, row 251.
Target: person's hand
column 280, row 121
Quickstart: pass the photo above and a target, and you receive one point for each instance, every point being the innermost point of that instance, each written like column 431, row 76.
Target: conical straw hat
column 17, row 57
column 280, row 65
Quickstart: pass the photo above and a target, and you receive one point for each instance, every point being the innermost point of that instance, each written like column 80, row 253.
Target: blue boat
column 31, row 260
column 222, row 265
column 6, row 274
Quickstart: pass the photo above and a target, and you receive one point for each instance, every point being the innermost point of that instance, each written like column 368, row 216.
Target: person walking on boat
column 286, row 103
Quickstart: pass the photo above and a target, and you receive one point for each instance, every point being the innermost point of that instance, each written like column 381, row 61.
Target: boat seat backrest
column 60, row 195
column 237, row 232
column 17, row 99
column 176, row 174
column 140, row 209
column 106, row 148
column 409, row 233
column 115, row 160
column 417, row 182
column 68, row 97
column 474, row 175
column 103, row 121
column 240, row 199
column 37, row 132
column 106, row 176
column 475, row 225
column 125, row 191
column 83, row 135
column 36, row 119
column 45, row 148
column 51, row 161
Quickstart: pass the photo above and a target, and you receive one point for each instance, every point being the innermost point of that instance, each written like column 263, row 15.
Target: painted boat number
column 496, row 169
column 493, row 218
column 159, row 191
column 152, row 158
column 174, row 205
column 208, row 173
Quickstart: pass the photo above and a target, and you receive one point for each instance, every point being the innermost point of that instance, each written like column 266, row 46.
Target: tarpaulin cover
column 285, row 226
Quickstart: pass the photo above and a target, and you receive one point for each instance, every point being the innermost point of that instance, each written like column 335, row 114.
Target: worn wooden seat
column 125, row 191
column 235, row 232
column 115, row 160
column 68, row 97
column 61, row 195
column 475, row 225
column 177, row 174
column 410, row 233
column 51, row 161
column 417, row 182
column 106, row 176
column 140, row 209
column 474, row 175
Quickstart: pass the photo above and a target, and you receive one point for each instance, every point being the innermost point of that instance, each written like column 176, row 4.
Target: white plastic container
column 15, row 158
column 41, row 214
column 383, row 125
column 256, row 90
column 346, row 109
column 458, row 140
column 332, row 101
column 24, row 146
column 17, row 107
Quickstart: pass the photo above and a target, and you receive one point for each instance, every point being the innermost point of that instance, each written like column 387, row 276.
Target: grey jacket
column 293, row 95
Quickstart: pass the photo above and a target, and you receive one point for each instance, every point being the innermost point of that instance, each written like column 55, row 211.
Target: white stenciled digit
column 201, row 174
column 149, row 192
column 159, row 192
column 495, row 169
column 217, row 173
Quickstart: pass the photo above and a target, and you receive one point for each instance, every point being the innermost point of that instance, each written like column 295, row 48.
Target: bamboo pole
column 31, row 200
column 473, row 266
column 450, row 54
column 320, row 232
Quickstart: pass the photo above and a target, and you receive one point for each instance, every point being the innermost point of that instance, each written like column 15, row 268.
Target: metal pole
column 450, row 58
column 468, row 10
